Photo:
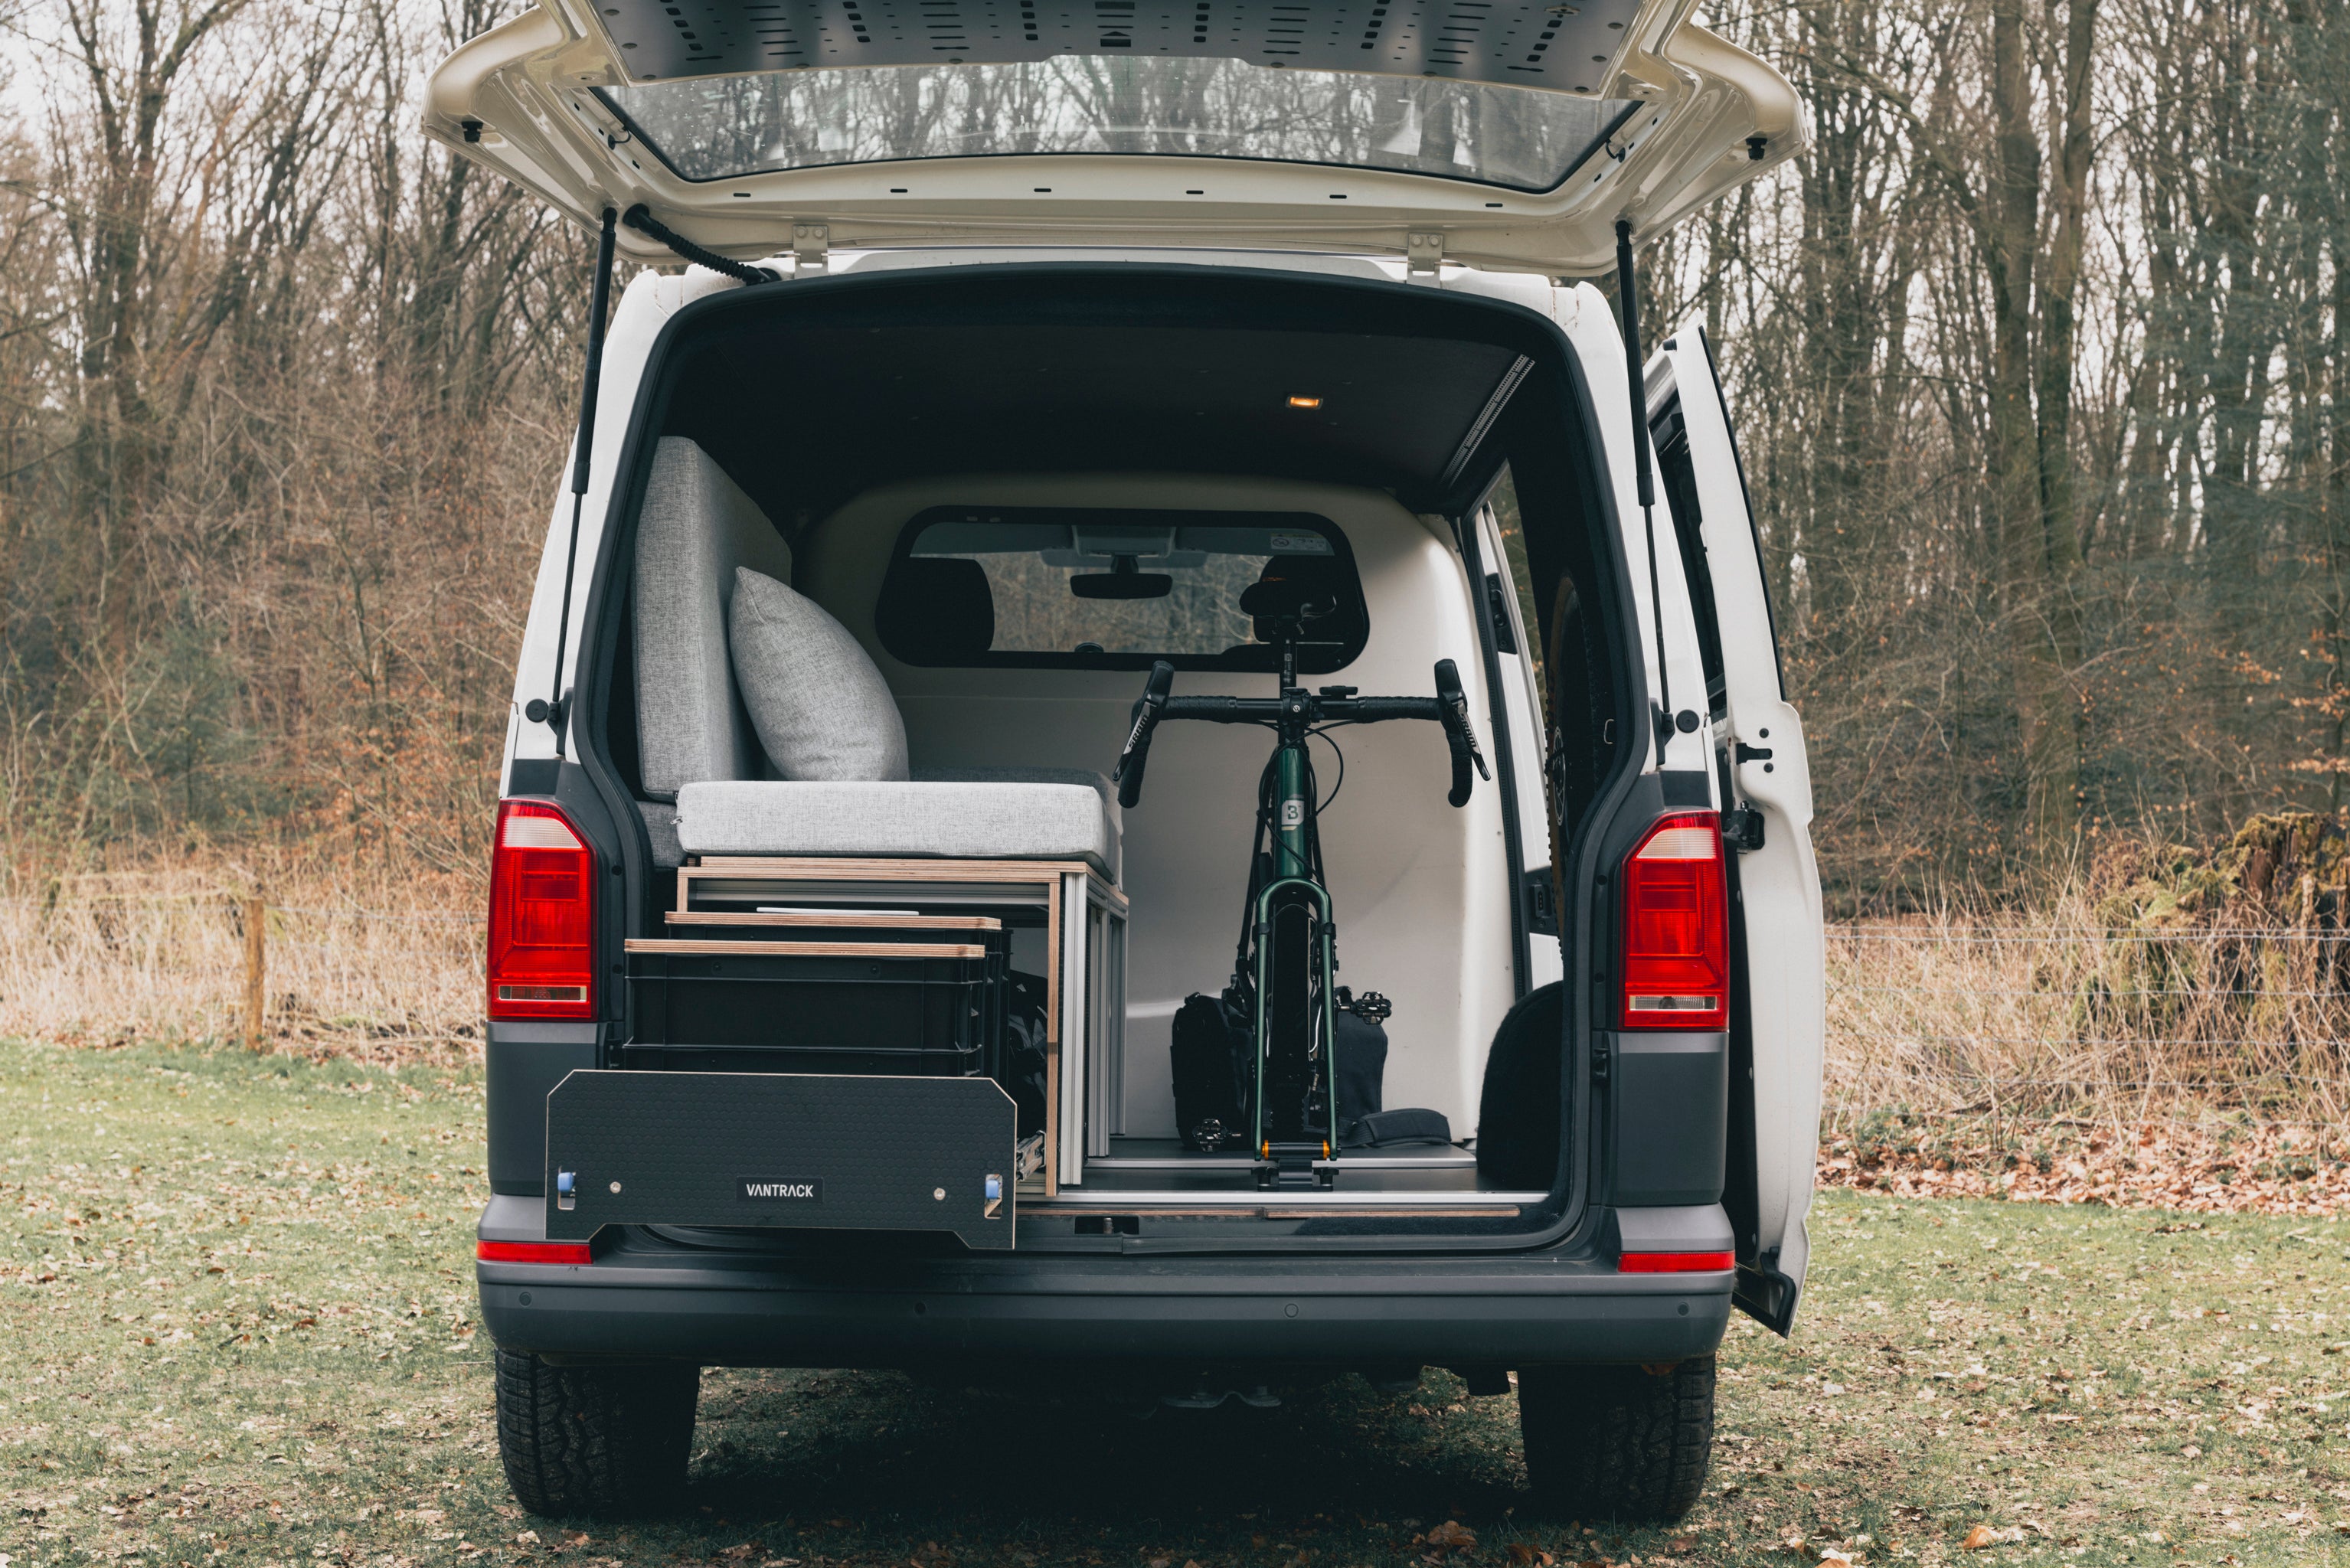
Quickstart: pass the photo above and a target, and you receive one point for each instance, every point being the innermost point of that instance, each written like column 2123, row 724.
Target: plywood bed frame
column 1085, row 935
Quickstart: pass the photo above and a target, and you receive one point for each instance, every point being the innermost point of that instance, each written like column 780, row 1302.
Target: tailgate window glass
column 1115, row 589
column 727, row 127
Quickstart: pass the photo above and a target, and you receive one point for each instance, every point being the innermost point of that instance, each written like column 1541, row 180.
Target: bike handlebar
column 1449, row 708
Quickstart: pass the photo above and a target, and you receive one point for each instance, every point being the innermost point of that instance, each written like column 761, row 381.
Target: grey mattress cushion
column 695, row 529
column 998, row 819
column 819, row 706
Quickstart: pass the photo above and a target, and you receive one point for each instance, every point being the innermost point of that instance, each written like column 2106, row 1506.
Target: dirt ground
column 239, row 1328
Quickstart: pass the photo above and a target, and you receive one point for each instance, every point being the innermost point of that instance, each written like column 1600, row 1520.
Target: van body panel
column 1425, row 895
column 1778, row 907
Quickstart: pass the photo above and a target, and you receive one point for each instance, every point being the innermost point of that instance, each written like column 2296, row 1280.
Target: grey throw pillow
column 821, row 709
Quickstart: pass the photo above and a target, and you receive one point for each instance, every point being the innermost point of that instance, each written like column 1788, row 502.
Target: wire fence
column 1946, row 1017
column 393, row 965
column 2007, row 1016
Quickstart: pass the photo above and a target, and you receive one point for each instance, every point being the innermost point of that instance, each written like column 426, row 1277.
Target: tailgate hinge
column 1423, row 256
column 811, row 248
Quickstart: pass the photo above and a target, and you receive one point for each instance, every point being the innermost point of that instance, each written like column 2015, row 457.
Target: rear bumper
column 756, row 1310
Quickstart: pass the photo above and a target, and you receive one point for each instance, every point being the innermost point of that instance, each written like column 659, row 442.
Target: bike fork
column 1295, row 1016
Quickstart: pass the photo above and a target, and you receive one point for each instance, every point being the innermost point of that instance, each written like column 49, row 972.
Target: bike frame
column 1294, row 972
column 1290, row 968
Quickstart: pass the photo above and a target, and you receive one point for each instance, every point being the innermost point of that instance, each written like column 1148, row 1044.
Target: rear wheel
column 593, row 1439
column 1630, row 1443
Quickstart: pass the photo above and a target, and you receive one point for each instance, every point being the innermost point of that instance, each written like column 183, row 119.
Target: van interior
column 1015, row 488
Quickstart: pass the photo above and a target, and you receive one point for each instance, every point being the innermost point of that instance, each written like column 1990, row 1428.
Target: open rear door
column 1502, row 133
column 1779, row 1012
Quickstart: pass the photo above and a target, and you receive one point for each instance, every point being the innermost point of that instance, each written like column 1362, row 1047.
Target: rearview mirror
column 1124, row 580
column 1122, row 586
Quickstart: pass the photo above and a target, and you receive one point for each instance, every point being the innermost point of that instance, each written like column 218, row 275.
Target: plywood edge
column 804, row 949
column 847, row 867
column 836, row 922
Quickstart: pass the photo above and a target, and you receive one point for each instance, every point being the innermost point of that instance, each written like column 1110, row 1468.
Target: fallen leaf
column 1521, row 1553
column 1679, row 1543
column 1452, row 1535
column 1977, row 1539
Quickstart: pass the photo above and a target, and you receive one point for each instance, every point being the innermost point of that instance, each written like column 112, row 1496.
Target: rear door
column 1779, row 1010
column 1507, row 133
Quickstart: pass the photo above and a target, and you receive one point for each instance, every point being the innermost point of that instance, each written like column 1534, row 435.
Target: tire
column 1622, row 1443
column 606, row 1440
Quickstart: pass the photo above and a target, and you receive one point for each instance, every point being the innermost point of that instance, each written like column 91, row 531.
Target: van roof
column 1511, row 133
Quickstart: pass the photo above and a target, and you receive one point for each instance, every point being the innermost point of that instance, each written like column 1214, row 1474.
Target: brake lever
column 1456, row 703
column 1138, row 739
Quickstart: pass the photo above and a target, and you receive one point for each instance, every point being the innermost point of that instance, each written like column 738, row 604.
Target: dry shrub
column 2164, row 984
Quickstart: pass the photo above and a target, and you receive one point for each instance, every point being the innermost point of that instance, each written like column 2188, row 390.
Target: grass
column 239, row 1329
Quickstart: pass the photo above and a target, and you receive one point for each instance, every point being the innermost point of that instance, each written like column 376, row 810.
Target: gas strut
column 1627, row 297
column 549, row 710
column 640, row 218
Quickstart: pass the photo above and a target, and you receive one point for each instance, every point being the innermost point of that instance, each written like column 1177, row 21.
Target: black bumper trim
column 1545, row 1315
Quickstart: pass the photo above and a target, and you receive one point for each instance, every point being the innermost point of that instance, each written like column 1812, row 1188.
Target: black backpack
column 1215, row 1077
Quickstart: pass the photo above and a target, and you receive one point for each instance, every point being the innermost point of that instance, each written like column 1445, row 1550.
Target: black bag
column 1215, row 1078
column 1022, row 1076
column 1517, row 1115
column 1360, row 1052
column 1391, row 1129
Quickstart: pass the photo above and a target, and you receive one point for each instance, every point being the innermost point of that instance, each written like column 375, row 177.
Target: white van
column 1128, row 765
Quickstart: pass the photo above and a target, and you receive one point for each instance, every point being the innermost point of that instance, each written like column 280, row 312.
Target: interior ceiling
column 1521, row 43
column 841, row 409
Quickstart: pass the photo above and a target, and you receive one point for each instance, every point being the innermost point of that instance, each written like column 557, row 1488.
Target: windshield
column 726, row 127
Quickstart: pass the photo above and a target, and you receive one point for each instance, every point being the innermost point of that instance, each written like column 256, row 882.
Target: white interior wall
column 1421, row 889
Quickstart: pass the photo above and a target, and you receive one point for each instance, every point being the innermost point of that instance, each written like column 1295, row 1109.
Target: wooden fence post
column 256, row 916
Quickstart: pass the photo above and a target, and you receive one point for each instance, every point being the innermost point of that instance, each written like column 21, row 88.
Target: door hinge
column 1423, row 255
column 1542, row 902
column 1505, row 641
column 811, row 248
column 1742, row 829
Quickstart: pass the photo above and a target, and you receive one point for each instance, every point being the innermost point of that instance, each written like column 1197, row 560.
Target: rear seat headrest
column 935, row 610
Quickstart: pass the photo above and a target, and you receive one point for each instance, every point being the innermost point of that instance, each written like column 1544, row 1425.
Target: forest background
column 2037, row 357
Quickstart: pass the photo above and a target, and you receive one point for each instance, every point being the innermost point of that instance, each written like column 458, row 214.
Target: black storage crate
column 776, row 1013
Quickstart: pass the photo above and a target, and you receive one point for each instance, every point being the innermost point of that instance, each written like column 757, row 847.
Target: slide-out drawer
column 780, row 1150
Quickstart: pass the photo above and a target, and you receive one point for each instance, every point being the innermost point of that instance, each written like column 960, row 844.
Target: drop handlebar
column 1301, row 709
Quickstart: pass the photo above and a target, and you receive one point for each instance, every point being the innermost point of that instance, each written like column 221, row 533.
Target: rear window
column 722, row 127
column 1078, row 588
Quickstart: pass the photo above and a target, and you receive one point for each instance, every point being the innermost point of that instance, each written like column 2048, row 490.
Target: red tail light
column 534, row 1252
column 1677, row 927
column 541, row 915
column 1674, row 1262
